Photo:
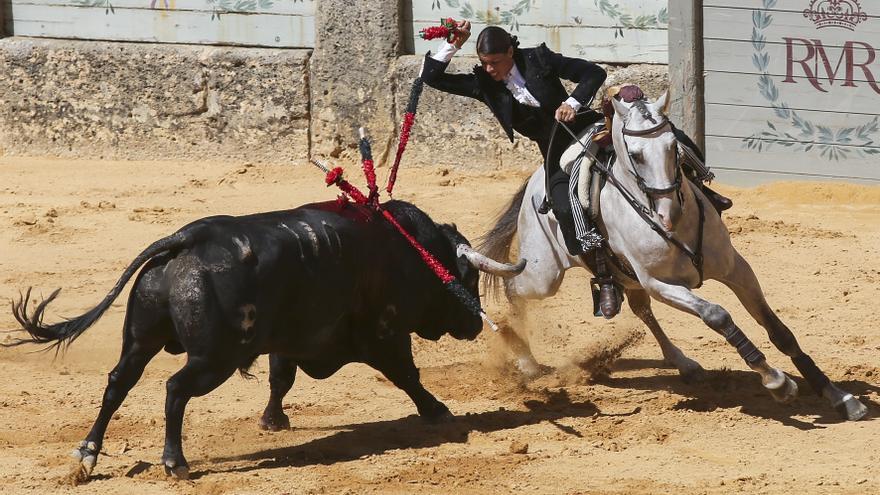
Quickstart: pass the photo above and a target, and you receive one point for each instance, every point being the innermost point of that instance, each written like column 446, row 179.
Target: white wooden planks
column 728, row 157
column 800, row 94
column 604, row 31
column 277, row 7
column 280, row 24
column 785, row 96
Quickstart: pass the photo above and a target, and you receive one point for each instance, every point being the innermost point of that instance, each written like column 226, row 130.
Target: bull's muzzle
column 486, row 264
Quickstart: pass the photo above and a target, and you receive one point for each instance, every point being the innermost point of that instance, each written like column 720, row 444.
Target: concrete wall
column 144, row 101
column 151, row 101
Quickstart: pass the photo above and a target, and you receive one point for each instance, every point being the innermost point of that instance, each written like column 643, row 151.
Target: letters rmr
column 811, row 56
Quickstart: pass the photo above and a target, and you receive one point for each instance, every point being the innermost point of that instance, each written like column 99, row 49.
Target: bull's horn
column 486, row 264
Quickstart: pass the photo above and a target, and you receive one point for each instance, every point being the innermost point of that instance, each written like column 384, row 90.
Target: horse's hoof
column 691, row 371
column 786, row 392
column 851, row 408
column 530, row 368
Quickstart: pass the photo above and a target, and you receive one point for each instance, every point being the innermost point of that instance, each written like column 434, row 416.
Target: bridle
column 649, row 191
column 696, row 254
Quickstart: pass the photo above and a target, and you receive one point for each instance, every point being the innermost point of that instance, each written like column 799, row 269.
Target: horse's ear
column 662, row 103
column 620, row 108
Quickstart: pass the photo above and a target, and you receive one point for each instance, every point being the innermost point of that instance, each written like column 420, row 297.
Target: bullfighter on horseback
column 522, row 88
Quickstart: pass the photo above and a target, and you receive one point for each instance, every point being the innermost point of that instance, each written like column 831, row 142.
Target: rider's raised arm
column 434, row 68
column 588, row 75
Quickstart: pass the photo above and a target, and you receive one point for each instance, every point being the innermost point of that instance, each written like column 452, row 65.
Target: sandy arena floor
column 640, row 430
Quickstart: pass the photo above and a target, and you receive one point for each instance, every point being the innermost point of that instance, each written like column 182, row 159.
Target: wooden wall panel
column 269, row 23
column 785, row 95
column 598, row 30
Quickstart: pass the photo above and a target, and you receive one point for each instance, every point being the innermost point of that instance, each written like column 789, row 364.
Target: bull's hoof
column 87, row 455
column 178, row 473
column 439, row 413
column 786, row 392
column 175, row 470
column 851, row 409
column 274, row 421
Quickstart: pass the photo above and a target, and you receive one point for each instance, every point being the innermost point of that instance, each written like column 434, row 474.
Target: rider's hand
column 565, row 113
column 461, row 34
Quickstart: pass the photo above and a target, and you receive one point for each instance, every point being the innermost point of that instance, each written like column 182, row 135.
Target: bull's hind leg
column 282, row 372
column 743, row 282
column 144, row 333
column 198, row 377
column 640, row 303
column 119, row 382
column 717, row 318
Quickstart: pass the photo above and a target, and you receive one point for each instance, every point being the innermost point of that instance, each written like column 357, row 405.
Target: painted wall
column 627, row 31
column 792, row 88
column 267, row 23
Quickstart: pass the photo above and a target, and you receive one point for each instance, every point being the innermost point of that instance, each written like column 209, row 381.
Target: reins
column 695, row 255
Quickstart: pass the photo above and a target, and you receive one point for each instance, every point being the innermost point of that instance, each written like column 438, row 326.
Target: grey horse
column 665, row 241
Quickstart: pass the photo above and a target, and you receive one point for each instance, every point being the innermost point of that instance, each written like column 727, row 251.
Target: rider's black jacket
column 542, row 69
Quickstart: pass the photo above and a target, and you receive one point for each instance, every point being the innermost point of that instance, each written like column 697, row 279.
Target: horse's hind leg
column 640, row 304
column 745, row 285
column 717, row 318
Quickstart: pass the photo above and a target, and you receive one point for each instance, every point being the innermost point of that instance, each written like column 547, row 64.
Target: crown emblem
column 836, row 13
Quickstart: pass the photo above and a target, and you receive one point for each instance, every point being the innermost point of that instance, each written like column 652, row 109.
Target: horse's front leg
column 533, row 283
column 545, row 270
column 717, row 318
column 640, row 304
column 743, row 282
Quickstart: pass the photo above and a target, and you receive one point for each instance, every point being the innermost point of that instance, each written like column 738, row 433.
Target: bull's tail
column 496, row 243
column 64, row 333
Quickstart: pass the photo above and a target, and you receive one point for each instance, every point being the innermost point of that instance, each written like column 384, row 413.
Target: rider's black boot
column 720, row 202
column 609, row 298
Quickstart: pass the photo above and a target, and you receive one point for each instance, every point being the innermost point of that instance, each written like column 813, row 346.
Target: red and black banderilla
column 335, row 177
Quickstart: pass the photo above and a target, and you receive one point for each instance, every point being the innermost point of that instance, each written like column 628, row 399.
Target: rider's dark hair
column 494, row 39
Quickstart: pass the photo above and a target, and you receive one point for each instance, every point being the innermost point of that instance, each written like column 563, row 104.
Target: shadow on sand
column 718, row 389
column 739, row 388
column 411, row 432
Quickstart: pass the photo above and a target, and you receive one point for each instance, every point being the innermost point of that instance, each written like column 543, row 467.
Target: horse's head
column 646, row 146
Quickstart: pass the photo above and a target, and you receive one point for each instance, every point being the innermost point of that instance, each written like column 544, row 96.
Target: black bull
column 316, row 287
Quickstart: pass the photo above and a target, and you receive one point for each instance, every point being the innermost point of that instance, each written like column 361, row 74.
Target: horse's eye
column 636, row 156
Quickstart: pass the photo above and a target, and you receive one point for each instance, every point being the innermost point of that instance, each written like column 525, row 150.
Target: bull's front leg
column 393, row 358
column 282, row 372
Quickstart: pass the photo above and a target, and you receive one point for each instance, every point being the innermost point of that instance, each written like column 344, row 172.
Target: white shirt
column 514, row 81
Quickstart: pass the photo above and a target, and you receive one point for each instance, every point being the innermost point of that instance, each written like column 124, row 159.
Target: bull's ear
column 620, row 108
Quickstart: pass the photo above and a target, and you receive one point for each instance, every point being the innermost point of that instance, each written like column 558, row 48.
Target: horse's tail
column 64, row 333
column 497, row 241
